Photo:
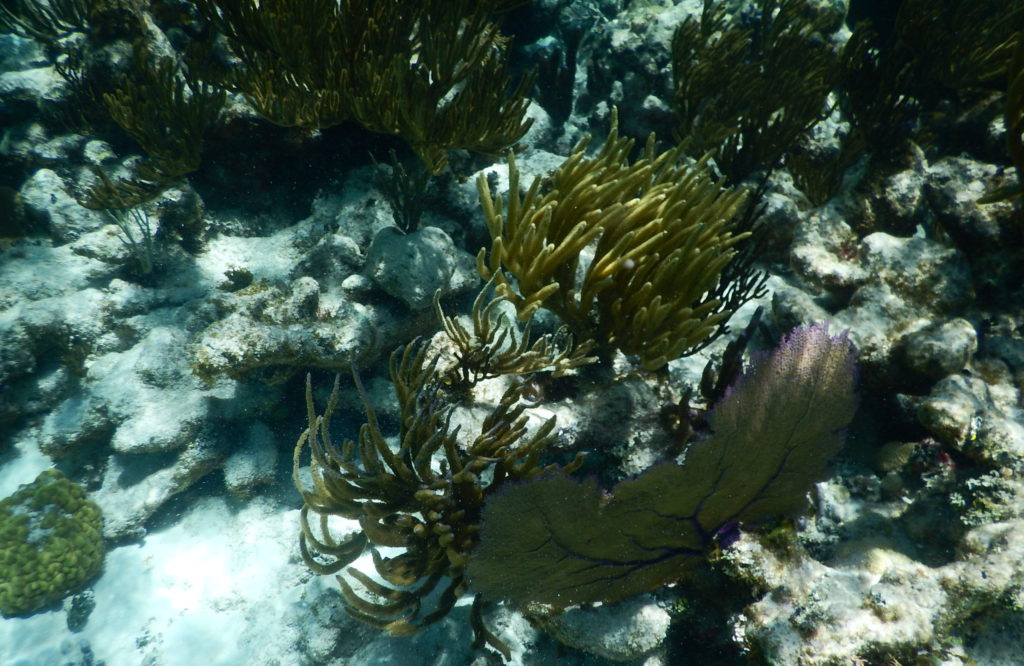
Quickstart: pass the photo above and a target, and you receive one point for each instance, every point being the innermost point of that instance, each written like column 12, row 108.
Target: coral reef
column 154, row 349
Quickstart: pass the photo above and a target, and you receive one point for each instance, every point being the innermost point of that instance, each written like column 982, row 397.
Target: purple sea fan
column 777, row 427
column 558, row 541
column 804, row 357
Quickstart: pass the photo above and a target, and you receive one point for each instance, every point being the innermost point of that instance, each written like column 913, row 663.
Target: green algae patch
column 51, row 543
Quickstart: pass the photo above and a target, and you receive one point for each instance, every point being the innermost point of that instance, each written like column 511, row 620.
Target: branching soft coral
column 404, row 498
column 662, row 232
column 430, row 71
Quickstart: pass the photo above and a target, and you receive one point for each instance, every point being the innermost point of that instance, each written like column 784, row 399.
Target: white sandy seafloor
column 224, row 584
column 214, row 588
column 902, row 559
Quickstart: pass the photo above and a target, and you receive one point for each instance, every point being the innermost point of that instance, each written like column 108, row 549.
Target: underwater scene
column 485, row 332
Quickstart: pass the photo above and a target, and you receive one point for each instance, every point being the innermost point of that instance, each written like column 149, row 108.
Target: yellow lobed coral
column 50, row 543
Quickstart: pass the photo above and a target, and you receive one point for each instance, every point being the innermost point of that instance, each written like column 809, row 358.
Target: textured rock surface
column 411, row 267
column 47, row 199
column 941, row 349
column 892, row 287
column 873, row 599
column 622, row 632
column 254, row 463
